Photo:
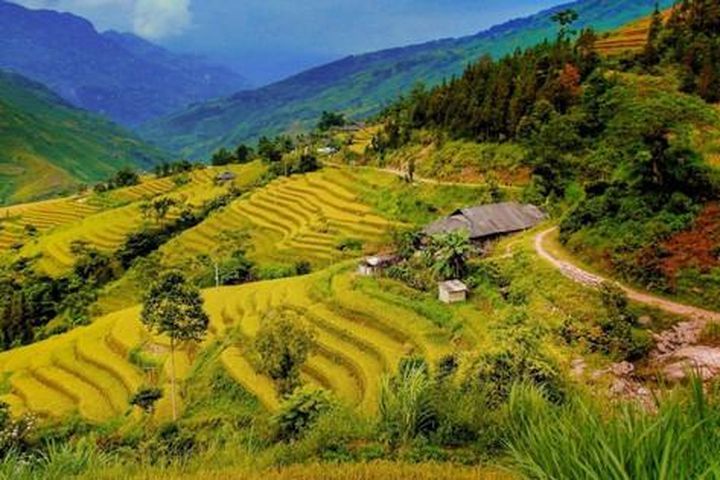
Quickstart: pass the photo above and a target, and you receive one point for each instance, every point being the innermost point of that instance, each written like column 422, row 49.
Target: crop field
column 297, row 218
column 89, row 371
column 630, row 38
column 62, row 222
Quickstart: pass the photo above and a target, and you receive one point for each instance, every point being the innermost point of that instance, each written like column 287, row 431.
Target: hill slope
column 360, row 85
column 123, row 76
column 47, row 145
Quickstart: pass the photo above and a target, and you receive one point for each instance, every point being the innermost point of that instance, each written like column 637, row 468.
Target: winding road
column 588, row 279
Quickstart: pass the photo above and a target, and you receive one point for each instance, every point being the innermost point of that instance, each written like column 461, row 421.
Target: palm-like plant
column 449, row 253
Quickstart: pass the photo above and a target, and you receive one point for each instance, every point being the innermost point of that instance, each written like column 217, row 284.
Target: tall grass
column 681, row 440
column 405, row 404
column 57, row 461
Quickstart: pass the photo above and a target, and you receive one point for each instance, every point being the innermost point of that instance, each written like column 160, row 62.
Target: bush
column 146, row 397
column 283, row 344
column 349, row 245
column 299, row 413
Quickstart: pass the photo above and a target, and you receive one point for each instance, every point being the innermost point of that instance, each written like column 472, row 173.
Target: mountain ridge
column 105, row 73
column 360, row 85
column 48, row 146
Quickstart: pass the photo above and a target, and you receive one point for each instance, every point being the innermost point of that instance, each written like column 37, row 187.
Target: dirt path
column 586, row 278
column 418, row 179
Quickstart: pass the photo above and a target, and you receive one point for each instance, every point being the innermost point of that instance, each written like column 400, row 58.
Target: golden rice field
column 64, row 221
column 630, row 38
column 297, row 218
column 88, row 371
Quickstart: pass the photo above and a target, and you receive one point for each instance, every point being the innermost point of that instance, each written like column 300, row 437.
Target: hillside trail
column 416, row 178
column 678, row 350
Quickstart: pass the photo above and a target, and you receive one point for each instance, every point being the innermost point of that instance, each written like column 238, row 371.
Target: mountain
column 122, row 76
column 49, row 146
column 360, row 85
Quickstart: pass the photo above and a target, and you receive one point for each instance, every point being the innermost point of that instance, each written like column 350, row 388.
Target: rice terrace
column 233, row 255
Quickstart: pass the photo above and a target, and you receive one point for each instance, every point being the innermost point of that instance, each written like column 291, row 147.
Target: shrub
column 146, row 397
column 299, row 413
column 349, row 245
column 283, row 343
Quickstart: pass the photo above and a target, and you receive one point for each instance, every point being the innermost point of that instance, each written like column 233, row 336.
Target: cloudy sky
column 266, row 39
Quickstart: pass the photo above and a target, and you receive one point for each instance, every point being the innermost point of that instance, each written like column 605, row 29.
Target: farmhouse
column 487, row 222
column 452, row 291
column 371, row 266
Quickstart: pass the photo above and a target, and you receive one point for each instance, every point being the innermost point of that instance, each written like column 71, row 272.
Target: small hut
column 225, row 177
column 452, row 291
column 371, row 266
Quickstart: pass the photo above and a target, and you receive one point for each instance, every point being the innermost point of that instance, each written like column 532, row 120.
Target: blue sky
column 266, row 39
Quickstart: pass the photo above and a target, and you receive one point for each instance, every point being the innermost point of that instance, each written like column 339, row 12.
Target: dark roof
column 489, row 220
column 226, row 176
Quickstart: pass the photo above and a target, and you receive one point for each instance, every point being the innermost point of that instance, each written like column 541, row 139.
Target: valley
column 508, row 270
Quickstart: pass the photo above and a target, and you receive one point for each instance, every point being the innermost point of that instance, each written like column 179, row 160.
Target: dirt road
column 586, row 278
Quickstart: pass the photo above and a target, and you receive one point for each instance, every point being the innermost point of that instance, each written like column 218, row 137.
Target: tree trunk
column 172, row 378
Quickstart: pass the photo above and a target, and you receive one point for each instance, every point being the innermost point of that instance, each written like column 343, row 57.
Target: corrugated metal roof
column 488, row 220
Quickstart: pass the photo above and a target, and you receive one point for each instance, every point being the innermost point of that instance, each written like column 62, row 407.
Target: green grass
column 582, row 441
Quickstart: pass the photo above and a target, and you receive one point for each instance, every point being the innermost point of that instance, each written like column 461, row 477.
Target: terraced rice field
column 44, row 216
column 106, row 230
column 630, row 38
column 87, row 371
column 297, row 218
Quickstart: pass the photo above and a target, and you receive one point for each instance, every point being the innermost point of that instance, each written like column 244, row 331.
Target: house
column 327, row 151
column 487, row 222
column 371, row 266
column 452, row 291
column 225, row 177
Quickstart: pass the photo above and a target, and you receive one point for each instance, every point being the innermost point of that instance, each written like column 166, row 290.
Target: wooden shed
column 452, row 291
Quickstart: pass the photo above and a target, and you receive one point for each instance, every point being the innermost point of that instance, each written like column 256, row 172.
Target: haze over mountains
column 360, row 85
column 48, row 146
column 120, row 75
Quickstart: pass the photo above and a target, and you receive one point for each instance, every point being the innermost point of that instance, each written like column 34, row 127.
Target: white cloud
column 160, row 18
column 152, row 19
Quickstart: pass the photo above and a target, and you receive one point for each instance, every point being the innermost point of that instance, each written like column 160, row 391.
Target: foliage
column 174, row 307
column 691, row 39
column 299, row 412
column 580, row 441
column 449, row 253
column 146, row 397
column 329, row 120
column 283, row 343
column 405, row 408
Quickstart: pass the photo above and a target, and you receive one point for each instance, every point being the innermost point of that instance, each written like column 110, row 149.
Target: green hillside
column 48, row 146
column 361, row 85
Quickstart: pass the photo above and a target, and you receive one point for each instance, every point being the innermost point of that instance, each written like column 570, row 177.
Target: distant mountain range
column 48, row 146
column 120, row 75
column 360, row 85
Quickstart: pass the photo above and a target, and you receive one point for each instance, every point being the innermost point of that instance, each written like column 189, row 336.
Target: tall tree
column 651, row 53
column 174, row 307
column 565, row 19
